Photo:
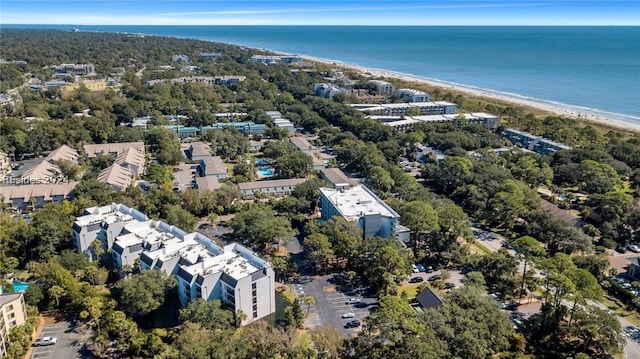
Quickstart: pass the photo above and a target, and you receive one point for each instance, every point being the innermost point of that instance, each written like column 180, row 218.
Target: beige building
column 14, row 313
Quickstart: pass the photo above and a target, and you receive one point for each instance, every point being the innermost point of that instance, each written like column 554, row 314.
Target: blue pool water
column 20, row 287
column 266, row 172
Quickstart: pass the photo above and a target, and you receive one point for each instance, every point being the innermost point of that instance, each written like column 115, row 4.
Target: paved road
column 68, row 345
column 493, row 242
column 331, row 298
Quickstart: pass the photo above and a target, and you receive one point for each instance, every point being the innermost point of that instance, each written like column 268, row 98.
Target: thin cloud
column 369, row 8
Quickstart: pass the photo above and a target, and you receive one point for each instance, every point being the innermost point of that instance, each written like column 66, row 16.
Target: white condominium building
column 233, row 274
column 358, row 204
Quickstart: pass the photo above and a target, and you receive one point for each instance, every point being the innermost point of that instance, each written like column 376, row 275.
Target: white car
column 415, row 268
column 353, row 301
column 633, row 248
column 347, row 315
column 45, row 341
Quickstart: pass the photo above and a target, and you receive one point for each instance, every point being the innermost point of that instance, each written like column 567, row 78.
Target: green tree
column 180, row 217
column 142, row 293
column 319, row 250
column 379, row 179
column 259, row 225
column 208, row 314
column 421, row 219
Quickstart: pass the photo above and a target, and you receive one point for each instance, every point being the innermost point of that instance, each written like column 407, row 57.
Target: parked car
column 634, row 248
column 45, row 341
column 347, row 315
column 414, row 268
column 420, row 268
column 434, row 278
column 507, row 245
column 621, row 250
column 352, row 301
column 449, row 286
column 416, row 280
column 428, row 269
column 352, row 324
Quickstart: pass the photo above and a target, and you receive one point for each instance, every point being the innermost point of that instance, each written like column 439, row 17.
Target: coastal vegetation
column 598, row 182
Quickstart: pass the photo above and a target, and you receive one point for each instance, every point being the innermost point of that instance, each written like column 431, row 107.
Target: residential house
column 111, row 149
column 12, row 314
column 303, row 145
column 382, row 86
column 127, row 167
column 285, row 124
column 209, row 183
column 633, row 270
column 36, row 195
column 337, row 179
column 213, row 166
column 327, row 90
column 428, row 298
column 198, row 150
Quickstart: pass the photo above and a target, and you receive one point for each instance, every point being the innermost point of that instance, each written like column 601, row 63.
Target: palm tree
column 240, row 317
column 309, row 301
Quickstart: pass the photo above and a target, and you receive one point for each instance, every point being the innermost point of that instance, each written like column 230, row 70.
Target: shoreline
column 586, row 115
column 618, row 121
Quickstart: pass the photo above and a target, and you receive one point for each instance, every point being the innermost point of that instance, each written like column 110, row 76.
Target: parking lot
column 67, row 347
column 332, row 294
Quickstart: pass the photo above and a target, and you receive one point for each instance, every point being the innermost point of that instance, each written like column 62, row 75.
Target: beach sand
column 586, row 114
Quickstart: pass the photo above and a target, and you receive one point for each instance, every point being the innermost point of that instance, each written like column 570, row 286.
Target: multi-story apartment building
column 359, row 204
column 12, row 313
column 327, row 90
column 412, row 95
column 534, row 143
column 382, row 86
column 104, row 224
column 74, row 69
column 399, row 109
column 233, row 274
column 274, row 59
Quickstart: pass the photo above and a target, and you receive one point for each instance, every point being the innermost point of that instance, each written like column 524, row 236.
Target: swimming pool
column 266, row 172
column 20, row 287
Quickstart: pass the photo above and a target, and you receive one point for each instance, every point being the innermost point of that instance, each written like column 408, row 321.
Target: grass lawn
column 304, row 339
column 619, row 309
column 410, row 288
column 479, row 248
column 288, row 294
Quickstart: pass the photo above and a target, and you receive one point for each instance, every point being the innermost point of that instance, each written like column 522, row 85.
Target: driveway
column 67, row 347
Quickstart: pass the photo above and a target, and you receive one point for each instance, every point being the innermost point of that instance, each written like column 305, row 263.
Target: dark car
column 449, row 286
column 428, row 269
column 352, row 324
column 416, row 280
column 434, row 278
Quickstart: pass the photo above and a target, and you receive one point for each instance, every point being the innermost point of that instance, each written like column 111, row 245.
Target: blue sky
column 306, row 12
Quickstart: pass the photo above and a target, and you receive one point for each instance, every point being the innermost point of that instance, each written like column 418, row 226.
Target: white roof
column 356, row 202
column 228, row 262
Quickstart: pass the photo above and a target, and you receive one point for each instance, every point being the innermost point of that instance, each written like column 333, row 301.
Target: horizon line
column 334, row 25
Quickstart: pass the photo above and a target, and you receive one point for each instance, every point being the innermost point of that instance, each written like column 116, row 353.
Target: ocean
column 594, row 68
